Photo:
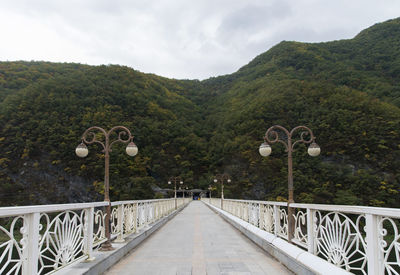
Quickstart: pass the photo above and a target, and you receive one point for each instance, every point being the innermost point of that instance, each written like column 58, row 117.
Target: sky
column 183, row 39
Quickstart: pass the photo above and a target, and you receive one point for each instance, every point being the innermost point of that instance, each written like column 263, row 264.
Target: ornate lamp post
column 209, row 192
column 222, row 178
column 89, row 137
column 272, row 136
column 175, row 180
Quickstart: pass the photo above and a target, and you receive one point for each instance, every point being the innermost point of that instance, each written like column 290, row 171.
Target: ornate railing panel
column 362, row 240
column 62, row 241
column 99, row 232
column 339, row 239
column 254, row 213
column 389, row 245
column 300, row 228
column 282, row 224
column 267, row 218
column 13, row 239
column 45, row 239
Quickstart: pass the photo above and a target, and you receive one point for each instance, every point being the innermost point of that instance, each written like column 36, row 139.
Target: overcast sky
column 176, row 38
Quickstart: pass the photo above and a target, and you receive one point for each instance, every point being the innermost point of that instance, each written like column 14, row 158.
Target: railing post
column 136, row 218
column 157, row 210
column 310, row 231
column 146, row 214
column 248, row 212
column 236, row 209
column 150, row 212
column 121, row 221
column 374, row 254
column 242, row 206
column 31, row 244
column 154, row 204
column 88, row 233
column 277, row 220
column 261, row 216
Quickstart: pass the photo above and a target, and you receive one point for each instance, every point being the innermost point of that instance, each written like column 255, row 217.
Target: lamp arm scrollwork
column 307, row 132
column 175, row 179
column 272, row 136
column 89, row 136
column 124, row 132
column 222, row 177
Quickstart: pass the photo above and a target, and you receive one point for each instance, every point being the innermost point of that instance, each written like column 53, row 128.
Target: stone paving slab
column 197, row 241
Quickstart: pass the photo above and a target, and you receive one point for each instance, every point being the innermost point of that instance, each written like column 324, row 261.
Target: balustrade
column 47, row 238
column 361, row 240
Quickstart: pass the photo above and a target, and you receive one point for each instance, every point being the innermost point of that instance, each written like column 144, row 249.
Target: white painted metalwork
column 12, row 250
column 99, row 232
column 300, row 229
column 268, row 218
column 282, row 227
column 44, row 239
column 254, row 213
column 389, row 245
column 62, row 241
column 340, row 241
column 130, row 218
column 362, row 240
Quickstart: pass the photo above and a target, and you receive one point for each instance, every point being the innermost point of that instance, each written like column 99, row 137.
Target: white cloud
column 176, row 38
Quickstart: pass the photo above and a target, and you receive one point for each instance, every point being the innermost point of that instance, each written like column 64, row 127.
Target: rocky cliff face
column 50, row 184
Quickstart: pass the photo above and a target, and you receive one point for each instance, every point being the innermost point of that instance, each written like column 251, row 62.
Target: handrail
column 355, row 209
column 48, row 208
column 135, row 201
column 262, row 202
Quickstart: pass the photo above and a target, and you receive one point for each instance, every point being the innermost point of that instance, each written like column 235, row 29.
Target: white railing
column 44, row 239
column 359, row 239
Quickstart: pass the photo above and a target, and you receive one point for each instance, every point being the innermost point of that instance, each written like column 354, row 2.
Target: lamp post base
column 291, row 221
column 106, row 246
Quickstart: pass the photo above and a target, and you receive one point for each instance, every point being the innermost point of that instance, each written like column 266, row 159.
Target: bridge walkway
column 197, row 241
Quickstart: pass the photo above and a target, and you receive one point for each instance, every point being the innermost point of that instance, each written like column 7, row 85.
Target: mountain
column 346, row 91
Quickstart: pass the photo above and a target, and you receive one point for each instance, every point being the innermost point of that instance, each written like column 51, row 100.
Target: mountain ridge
column 346, row 91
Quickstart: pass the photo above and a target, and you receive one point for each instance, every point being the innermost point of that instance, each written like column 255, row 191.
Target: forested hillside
column 346, row 91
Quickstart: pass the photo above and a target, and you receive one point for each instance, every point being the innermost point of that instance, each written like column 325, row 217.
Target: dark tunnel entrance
column 197, row 193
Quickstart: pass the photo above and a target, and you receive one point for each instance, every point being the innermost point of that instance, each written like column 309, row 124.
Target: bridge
column 198, row 237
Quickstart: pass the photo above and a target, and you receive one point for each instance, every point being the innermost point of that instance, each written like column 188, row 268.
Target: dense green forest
column 347, row 92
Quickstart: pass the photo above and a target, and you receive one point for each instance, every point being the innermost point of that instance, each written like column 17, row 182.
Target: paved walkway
column 197, row 241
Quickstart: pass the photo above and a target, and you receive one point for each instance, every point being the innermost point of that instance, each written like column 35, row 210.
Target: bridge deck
column 197, row 241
